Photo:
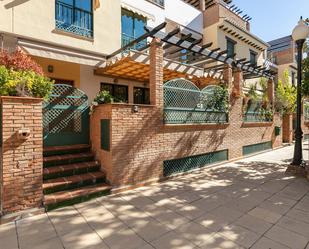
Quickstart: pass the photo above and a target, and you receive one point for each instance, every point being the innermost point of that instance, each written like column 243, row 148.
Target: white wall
column 184, row 14
column 90, row 83
column 175, row 10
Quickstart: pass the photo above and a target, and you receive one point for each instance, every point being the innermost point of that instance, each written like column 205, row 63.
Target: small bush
column 24, row 83
column 104, row 97
column 19, row 61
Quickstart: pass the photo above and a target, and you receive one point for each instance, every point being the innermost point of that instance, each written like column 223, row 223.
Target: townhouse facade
column 164, row 60
column 282, row 52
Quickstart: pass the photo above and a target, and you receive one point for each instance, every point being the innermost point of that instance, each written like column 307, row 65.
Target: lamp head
column 301, row 31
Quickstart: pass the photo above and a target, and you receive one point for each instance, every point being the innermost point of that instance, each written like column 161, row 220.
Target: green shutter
column 105, row 134
column 255, row 148
column 174, row 166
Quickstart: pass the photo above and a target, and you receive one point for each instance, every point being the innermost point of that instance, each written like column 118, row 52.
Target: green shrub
column 104, row 97
column 24, row 83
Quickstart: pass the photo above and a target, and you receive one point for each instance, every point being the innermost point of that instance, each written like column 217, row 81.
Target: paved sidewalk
column 246, row 204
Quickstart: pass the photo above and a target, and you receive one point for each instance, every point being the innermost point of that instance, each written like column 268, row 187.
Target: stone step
column 65, row 149
column 65, row 198
column 71, row 182
column 70, row 169
column 57, row 160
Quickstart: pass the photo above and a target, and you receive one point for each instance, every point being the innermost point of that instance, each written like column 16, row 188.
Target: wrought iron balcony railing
column 126, row 39
column 74, row 20
column 158, row 2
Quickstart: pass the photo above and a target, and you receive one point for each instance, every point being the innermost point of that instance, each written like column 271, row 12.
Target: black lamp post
column 300, row 34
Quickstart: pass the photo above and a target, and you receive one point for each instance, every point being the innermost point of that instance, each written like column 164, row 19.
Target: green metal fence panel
column 174, row 166
column 255, row 148
column 254, row 113
column 105, row 134
column 185, row 103
column 66, row 117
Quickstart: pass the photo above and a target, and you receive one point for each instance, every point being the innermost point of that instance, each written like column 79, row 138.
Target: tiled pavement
column 246, row 204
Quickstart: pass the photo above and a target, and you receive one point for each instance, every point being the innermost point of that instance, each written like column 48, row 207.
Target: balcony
column 74, row 20
column 126, row 39
column 157, row 2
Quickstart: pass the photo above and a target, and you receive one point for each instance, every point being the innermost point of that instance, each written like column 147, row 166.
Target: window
column 119, row 92
column 253, row 58
column 141, row 95
column 293, row 78
column 132, row 26
column 230, row 46
column 75, row 16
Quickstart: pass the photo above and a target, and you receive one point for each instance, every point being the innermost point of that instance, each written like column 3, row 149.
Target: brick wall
column 21, row 159
column 140, row 142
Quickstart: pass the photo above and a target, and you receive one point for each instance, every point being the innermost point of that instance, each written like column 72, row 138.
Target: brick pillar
column 156, row 73
column 238, row 83
column 228, row 76
column 21, row 156
column 270, row 91
column 287, row 128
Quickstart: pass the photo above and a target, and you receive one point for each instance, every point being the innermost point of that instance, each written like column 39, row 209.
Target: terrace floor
column 250, row 203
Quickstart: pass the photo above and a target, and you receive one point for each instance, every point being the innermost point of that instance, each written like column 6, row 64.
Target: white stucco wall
column 90, row 83
column 36, row 19
column 184, row 14
column 175, row 10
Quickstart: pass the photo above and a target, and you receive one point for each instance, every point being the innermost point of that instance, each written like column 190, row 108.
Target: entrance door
column 66, row 117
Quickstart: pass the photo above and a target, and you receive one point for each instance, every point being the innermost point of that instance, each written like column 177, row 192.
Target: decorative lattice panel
column 65, row 113
column 185, row 103
column 175, row 166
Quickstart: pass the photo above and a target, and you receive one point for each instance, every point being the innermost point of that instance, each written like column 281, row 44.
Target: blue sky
column 272, row 19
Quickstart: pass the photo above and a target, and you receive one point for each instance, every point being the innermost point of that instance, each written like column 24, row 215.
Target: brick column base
column 21, row 154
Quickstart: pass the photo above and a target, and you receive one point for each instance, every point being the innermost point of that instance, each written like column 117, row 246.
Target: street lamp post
column 300, row 34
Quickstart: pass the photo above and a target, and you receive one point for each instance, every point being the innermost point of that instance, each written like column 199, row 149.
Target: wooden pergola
column 183, row 57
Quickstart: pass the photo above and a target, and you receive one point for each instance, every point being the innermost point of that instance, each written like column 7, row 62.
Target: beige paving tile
column 85, row 240
column 172, row 240
column 125, row 239
column 66, row 225
column 7, row 230
column 239, row 235
column 212, row 222
column 287, row 237
column 226, row 213
column 265, row 243
column 190, row 211
column 265, row 214
column 242, row 204
column 299, row 215
column 275, row 207
column 9, row 241
column 150, row 229
column 170, row 218
column 220, row 242
column 296, row 226
column 53, row 243
column 195, row 233
column 188, row 196
column 254, row 224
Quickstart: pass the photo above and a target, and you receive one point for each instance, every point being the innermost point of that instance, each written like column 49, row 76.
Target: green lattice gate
column 66, row 117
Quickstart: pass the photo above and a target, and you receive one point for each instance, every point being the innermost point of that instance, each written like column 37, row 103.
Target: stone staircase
column 71, row 175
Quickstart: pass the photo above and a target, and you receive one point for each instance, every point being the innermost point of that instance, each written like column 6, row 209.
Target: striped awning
column 138, row 11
